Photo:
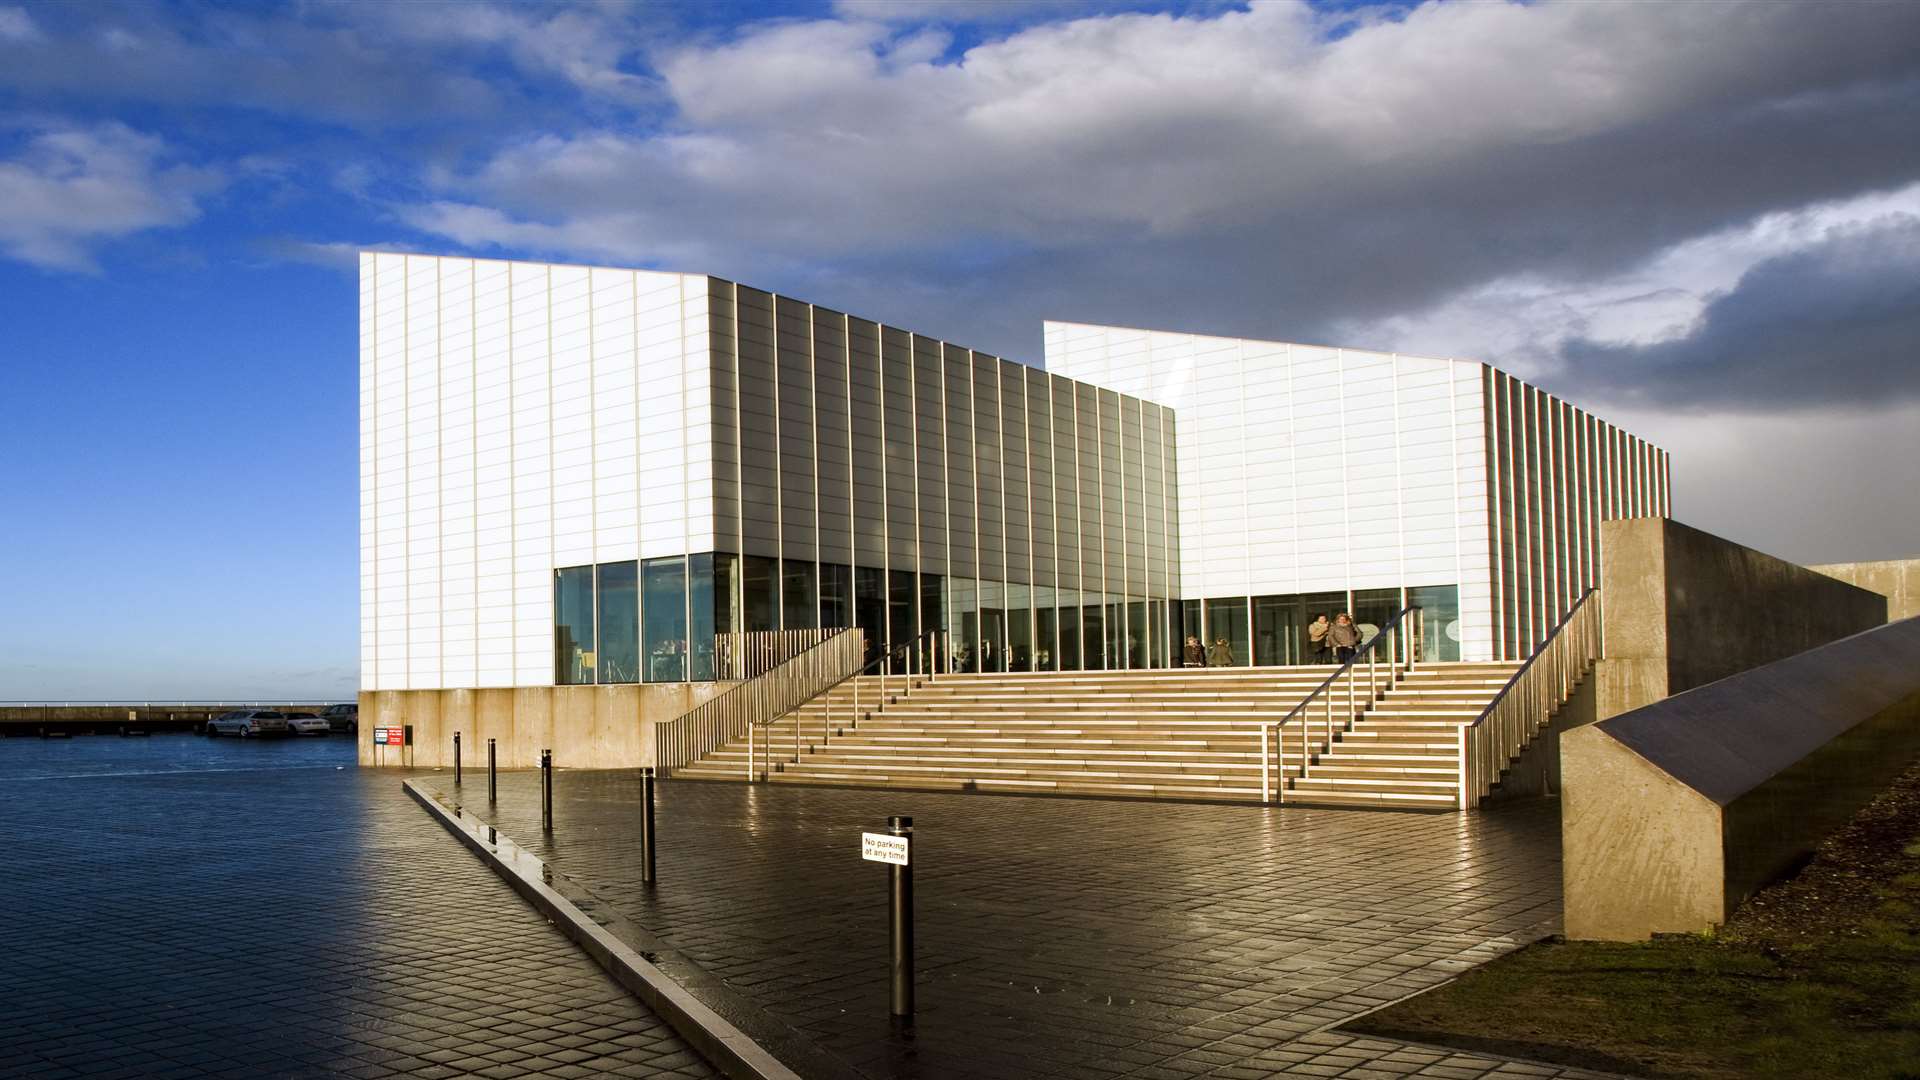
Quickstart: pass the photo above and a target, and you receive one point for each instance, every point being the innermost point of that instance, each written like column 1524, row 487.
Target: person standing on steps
column 1344, row 637
column 1194, row 655
column 1317, row 646
column 1220, row 654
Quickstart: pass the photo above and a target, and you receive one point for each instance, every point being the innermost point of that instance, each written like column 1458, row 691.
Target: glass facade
column 874, row 478
column 877, row 478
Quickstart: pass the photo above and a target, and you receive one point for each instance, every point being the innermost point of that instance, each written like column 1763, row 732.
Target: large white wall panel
column 368, row 459
column 510, row 415
column 493, row 476
column 1308, row 469
column 458, row 551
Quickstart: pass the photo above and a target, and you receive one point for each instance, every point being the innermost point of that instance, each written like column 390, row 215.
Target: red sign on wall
column 396, row 736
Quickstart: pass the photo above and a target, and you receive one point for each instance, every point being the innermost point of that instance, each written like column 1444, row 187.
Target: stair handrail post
column 1266, row 788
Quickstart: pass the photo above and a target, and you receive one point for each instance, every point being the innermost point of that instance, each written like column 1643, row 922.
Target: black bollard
column 900, row 922
column 546, row 791
column 646, row 826
column 456, row 759
column 493, row 783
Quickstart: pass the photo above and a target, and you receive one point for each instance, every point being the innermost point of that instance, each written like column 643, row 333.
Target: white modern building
column 575, row 475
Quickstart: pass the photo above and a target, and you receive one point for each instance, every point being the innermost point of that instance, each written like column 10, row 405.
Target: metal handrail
column 1528, row 701
column 923, row 660
column 1398, row 642
column 748, row 654
column 775, row 692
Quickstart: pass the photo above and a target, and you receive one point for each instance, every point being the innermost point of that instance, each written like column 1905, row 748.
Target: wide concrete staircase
column 1181, row 734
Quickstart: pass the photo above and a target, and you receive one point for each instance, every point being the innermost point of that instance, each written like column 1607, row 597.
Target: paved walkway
column 1059, row 937
column 281, row 923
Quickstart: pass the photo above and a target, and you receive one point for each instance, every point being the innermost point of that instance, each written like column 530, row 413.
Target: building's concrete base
column 586, row 727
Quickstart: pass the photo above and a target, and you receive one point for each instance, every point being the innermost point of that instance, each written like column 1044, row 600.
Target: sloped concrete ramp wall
column 1685, row 607
column 1675, row 813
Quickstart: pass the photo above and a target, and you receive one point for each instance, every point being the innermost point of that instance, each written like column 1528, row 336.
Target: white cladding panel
column 515, row 417
column 1306, row 469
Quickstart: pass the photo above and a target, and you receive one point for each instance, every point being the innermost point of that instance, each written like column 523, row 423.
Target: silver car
column 306, row 723
column 248, row 722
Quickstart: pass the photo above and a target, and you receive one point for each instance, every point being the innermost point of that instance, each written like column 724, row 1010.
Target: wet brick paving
column 281, row 922
column 1066, row 938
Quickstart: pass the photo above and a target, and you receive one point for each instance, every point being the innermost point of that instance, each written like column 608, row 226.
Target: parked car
column 342, row 717
column 306, row 723
column 248, row 722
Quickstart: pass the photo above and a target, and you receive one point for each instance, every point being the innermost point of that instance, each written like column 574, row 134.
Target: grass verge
column 1816, row 976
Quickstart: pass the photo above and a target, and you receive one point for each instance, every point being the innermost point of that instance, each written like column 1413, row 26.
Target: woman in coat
column 1317, row 647
column 1220, row 654
column 1194, row 655
column 1344, row 637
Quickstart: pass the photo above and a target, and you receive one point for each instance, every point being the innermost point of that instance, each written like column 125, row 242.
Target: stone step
column 1013, row 764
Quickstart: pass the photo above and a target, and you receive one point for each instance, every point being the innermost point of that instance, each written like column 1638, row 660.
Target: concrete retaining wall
column 1896, row 579
column 1673, row 814
column 586, row 727
column 1684, row 607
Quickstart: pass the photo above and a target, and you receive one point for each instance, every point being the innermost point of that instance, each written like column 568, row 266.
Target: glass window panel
column 573, row 660
column 1372, row 608
column 1440, row 613
column 963, row 623
column 870, row 606
column 1046, row 621
column 664, row 607
column 836, row 595
column 900, row 597
column 799, row 600
column 1227, row 627
column 1190, row 627
column 993, row 626
column 1019, row 628
column 1116, row 632
column 1279, row 629
column 932, row 602
column 1137, row 635
column 709, row 593
column 1092, row 629
column 759, row 594
column 1069, row 614
column 619, row 622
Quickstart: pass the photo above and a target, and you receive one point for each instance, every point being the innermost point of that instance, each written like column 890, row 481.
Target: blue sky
column 1702, row 219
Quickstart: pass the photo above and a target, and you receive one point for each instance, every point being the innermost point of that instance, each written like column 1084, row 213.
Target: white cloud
column 1526, row 319
column 17, row 25
column 69, row 189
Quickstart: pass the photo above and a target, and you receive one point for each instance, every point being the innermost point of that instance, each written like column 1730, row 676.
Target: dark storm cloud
column 1835, row 325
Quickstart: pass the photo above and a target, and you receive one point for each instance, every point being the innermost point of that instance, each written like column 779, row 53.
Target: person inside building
column 1194, row 655
column 1318, row 651
column 1344, row 636
column 1220, row 654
